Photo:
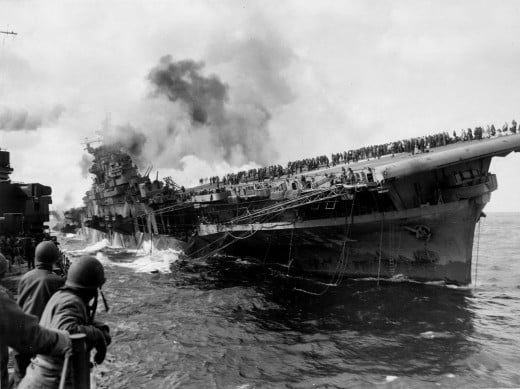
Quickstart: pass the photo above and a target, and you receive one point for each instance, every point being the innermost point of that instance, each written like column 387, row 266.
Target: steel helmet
column 4, row 265
column 86, row 273
column 46, row 252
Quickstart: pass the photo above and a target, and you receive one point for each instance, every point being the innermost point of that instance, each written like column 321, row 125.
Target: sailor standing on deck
column 34, row 291
column 22, row 332
column 28, row 250
column 71, row 308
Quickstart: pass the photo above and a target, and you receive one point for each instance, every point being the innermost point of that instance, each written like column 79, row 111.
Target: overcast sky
column 282, row 80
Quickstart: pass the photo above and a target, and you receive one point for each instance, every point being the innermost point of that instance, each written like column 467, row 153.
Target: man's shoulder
column 65, row 300
column 49, row 282
column 30, row 274
column 41, row 274
column 64, row 296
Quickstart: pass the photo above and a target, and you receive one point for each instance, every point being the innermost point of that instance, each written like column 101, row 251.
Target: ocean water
column 229, row 323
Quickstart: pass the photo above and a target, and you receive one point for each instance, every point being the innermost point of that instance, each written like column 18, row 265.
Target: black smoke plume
column 127, row 138
column 131, row 139
column 236, row 131
column 182, row 81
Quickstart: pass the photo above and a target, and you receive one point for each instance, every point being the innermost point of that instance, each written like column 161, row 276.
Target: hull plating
column 431, row 243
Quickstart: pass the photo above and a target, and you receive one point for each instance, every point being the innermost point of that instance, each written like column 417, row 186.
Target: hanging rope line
column 478, row 247
column 290, row 251
column 342, row 265
column 337, row 273
column 380, row 250
column 246, row 235
column 268, row 213
column 223, row 237
column 267, row 250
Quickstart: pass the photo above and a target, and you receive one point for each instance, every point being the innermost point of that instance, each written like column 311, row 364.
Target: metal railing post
column 80, row 362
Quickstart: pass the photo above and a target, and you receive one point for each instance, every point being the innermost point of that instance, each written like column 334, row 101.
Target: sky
column 200, row 88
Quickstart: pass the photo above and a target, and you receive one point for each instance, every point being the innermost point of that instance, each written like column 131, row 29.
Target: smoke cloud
column 218, row 127
column 84, row 164
column 196, row 121
column 20, row 119
column 128, row 138
column 55, row 214
column 182, row 81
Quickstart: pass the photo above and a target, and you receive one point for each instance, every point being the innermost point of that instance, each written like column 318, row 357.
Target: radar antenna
column 88, row 141
column 148, row 171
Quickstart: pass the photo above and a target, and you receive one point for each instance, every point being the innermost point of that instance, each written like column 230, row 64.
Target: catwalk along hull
column 432, row 243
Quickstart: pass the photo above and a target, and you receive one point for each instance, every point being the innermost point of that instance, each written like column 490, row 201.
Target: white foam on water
column 390, row 378
column 147, row 259
column 435, row 335
column 156, row 261
column 93, row 248
column 103, row 258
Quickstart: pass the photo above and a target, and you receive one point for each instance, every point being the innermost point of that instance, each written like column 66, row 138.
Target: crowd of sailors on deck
column 411, row 146
column 273, row 171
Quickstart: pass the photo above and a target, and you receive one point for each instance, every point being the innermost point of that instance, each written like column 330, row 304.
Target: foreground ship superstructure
column 395, row 209
column 24, row 208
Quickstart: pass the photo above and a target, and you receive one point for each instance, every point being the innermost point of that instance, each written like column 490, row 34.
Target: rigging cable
column 478, row 247
column 267, row 251
column 380, row 240
column 223, row 237
column 290, row 250
column 341, row 267
column 380, row 251
column 338, row 270
column 249, row 234
column 218, row 249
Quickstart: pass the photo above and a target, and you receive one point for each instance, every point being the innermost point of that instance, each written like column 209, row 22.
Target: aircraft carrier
column 403, row 209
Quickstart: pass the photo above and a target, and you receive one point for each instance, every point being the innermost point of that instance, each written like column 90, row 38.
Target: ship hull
column 432, row 243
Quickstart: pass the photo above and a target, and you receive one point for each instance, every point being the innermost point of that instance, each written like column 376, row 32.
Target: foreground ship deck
column 412, row 215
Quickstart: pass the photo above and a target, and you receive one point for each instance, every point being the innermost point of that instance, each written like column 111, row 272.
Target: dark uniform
column 22, row 333
column 68, row 309
column 34, row 291
column 36, row 288
column 28, row 250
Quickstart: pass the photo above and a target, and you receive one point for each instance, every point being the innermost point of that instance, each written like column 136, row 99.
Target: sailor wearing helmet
column 22, row 332
column 71, row 308
column 34, row 291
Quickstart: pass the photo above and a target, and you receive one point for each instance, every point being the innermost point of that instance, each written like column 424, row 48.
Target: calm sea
column 228, row 323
